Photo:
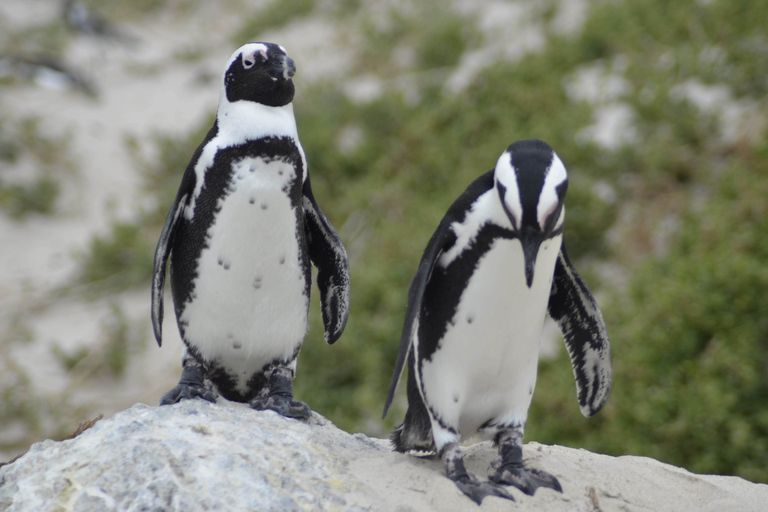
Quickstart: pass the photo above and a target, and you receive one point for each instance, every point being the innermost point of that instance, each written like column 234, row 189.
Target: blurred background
column 657, row 108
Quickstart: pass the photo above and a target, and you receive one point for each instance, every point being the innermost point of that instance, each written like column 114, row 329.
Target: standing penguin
column 476, row 308
column 240, row 235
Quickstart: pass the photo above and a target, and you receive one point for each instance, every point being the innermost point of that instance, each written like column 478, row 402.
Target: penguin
column 493, row 270
column 240, row 237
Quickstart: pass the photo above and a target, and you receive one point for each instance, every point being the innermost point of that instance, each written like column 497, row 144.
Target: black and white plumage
column 240, row 236
column 492, row 271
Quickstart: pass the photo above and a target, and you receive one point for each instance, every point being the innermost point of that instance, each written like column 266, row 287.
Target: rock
column 197, row 456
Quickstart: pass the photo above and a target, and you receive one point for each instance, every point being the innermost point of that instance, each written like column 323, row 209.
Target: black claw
column 279, row 397
column 526, row 479
column 285, row 406
column 466, row 482
column 185, row 391
column 477, row 490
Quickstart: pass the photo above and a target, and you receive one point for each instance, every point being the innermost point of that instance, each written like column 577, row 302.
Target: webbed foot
column 466, row 482
column 184, row 391
column 525, row 479
column 477, row 490
column 191, row 385
column 284, row 405
column 278, row 396
column 510, row 469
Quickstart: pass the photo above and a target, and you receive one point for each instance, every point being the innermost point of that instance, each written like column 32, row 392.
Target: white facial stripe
column 506, row 175
column 247, row 50
column 548, row 200
column 561, row 219
column 485, row 209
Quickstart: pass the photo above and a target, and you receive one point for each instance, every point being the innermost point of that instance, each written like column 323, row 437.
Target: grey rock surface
column 197, row 456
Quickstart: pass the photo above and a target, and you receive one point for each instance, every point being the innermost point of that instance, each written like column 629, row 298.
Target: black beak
column 530, row 242
column 289, row 68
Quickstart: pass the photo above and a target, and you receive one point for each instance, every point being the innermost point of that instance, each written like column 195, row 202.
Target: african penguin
column 240, row 236
column 492, row 271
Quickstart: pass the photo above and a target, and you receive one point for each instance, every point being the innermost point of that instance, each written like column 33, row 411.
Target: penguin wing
column 575, row 310
column 442, row 239
column 163, row 250
column 328, row 254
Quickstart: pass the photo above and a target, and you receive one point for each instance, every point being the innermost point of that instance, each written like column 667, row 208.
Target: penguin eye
column 250, row 60
column 514, row 219
column 549, row 221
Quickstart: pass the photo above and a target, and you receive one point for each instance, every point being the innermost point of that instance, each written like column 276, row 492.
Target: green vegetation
column 39, row 197
column 110, row 358
column 22, row 140
column 276, row 15
column 682, row 230
column 120, row 260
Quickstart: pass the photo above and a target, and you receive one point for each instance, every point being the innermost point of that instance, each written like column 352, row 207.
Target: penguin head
column 260, row 72
column 531, row 181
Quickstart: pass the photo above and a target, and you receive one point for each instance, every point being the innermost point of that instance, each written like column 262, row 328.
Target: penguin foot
column 185, row 391
column 191, row 384
column 525, row 479
column 477, row 490
column 467, row 482
column 284, row 405
column 509, row 466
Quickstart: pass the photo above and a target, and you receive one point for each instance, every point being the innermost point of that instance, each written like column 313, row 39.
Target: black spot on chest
column 191, row 237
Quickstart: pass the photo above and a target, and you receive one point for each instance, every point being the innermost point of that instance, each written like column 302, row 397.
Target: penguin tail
column 396, row 438
column 409, row 435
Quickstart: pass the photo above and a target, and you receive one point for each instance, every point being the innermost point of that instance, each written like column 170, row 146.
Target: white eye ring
column 249, row 60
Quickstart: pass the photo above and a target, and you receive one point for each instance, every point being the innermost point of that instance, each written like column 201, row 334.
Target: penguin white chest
column 484, row 369
column 249, row 305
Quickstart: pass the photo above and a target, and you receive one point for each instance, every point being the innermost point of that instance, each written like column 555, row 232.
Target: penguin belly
column 250, row 298
column 484, row 370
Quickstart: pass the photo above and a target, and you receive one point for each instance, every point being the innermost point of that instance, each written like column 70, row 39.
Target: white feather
column 240, row 122
column 548, row 199
column 484, row 209
column 506, row 174
column 249, row 305
column 486, row 365
column 485, row 368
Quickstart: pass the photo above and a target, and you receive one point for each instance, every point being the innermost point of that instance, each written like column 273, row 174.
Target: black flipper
column 575, row 310
column 164, row 244
column 442, row 239
column 328, row 254
column 163, row 250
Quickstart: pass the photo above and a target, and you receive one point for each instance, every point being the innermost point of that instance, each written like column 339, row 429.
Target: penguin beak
column 530, row 242
column 289, row 68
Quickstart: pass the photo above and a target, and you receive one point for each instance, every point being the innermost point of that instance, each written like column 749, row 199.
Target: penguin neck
column 243, row 121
